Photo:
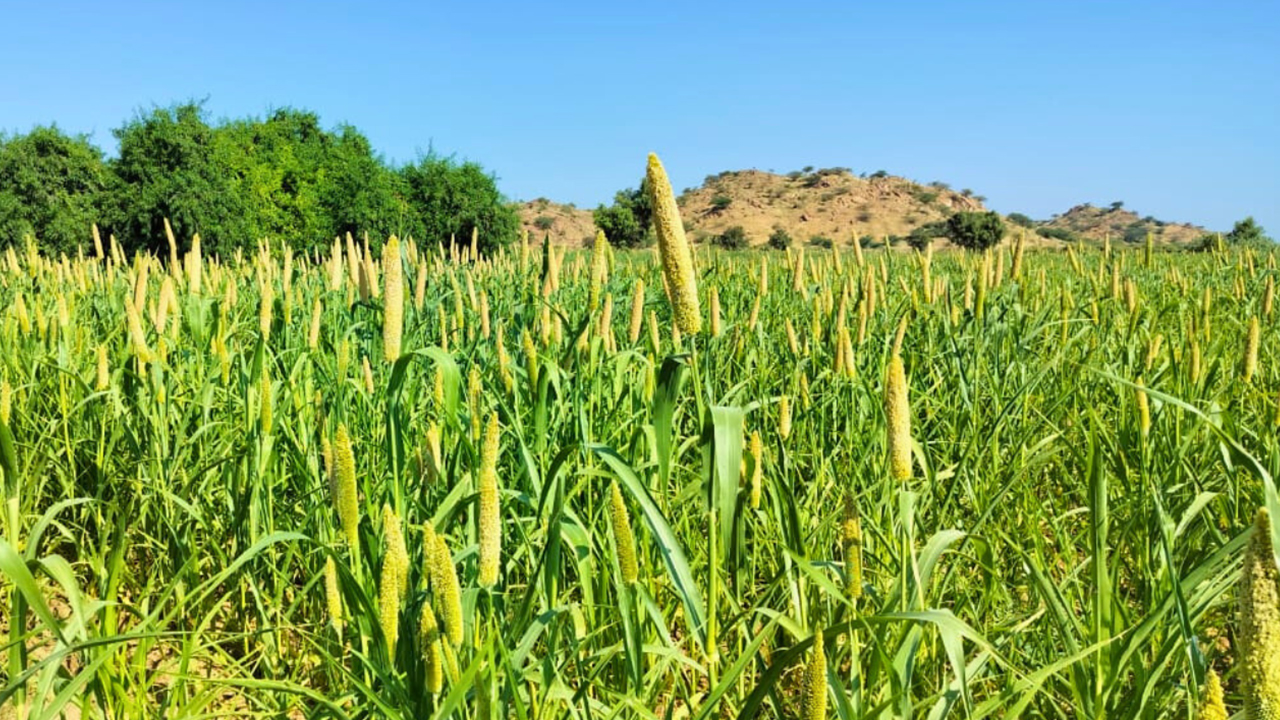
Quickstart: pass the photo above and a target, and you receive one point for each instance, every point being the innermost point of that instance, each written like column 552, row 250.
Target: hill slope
column 830, row 203
column 566, row 224
column 835, row 204
column 1095, row 223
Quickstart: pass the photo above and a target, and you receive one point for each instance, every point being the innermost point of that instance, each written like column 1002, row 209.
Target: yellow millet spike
column 490, row 519
column 392, row 300
column 673, row 248
column 851, row 544
column 345, row 480
column 1250, row 363
column 432, row 653
column 624, row 540
column 447, row 591
column 815, row 689
column 1259, row 625
column 898, row 415
column 1212, row 706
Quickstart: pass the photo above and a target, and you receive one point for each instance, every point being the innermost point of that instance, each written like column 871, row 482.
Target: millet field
column 405, row 480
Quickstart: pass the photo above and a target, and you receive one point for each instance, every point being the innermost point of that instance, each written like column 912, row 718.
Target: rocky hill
column 830, row 203
column 1095, row 223
column 565, row 224
column 835, row 204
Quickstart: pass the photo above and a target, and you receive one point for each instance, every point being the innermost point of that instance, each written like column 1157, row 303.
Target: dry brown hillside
column 566, row 224
column 1095, row 223
column 830, row 203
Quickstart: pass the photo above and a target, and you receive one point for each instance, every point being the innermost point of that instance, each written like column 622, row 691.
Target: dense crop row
column 396, row 481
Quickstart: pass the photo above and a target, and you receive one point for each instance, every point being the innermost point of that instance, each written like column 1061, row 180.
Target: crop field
column 398, row 480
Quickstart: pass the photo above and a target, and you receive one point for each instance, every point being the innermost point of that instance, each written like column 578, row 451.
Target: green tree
column 627, row 223
column 169, row 167
column 50, row 187
column 444, row 198
column 975, row 230
column 1247, row 232
column 734, row 238
column 1020, row 219
column 779, row 239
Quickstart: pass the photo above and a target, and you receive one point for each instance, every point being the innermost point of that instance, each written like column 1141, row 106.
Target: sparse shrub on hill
column 1021, row 220
column 1135, row 232
column 779, row 239
column 720, row 203
column 920, row 237
column 925, row 196
column 735, row 238
column 822, row 241
column 975, row 230
column 543, row 222
column 1057, row 233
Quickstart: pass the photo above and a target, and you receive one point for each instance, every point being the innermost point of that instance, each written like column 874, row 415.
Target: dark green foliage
column 543, row 222
column 879, row 174
column 719, row 203
column 1020, row 219
column 779, row 239
column 925, row 196
column 735, row 238
column 172, row 165
column 975, row 230
column 50, row 185
column 920, row 237
column 447, row 199
column 1116, row 205
column 1057, row 233
column 1247, row 232
column 237, row 182
column 822, row 241
column 1135, row 232
column 627, row 223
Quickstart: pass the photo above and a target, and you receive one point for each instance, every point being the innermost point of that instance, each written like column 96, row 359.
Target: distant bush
column 926, row 197
column 822, row 241
column 1021, row 220
column 1245, row 233
column 920, row 237
column 864, row 216
column 719, row 203
column 1057, row 233
column 1116, row 205
column 807, row 169
column 975, row 230
column 543, row 222
column 879, row 174
column 779, row 239
column 795, row 175
column 735, row 238
column 627, row 222
column 939, row 185
column 1135, row 232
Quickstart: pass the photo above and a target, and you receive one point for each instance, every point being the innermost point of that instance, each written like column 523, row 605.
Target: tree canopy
column 281, row 177
column 50, row 187
column 627, row 223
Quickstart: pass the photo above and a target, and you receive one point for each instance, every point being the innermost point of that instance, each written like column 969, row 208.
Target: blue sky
column 1172, row 107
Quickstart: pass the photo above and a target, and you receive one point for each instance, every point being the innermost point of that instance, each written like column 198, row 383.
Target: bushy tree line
column 283, row 177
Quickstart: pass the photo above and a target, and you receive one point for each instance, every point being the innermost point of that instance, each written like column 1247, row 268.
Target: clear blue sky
column 1172, row 107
